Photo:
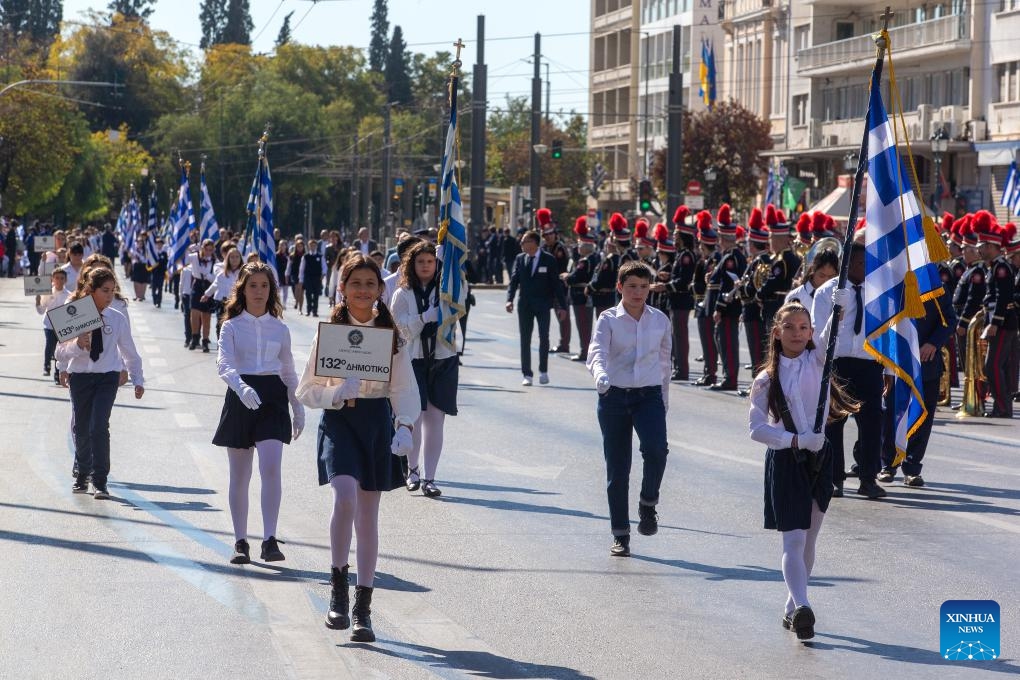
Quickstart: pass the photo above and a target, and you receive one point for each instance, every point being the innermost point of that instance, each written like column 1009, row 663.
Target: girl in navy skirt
column 358, row 447
column 798, row 464
column 415, row 309
column 255, row 361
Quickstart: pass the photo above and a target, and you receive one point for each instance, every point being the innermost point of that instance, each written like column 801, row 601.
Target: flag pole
column 450, row 162
column 882, row 44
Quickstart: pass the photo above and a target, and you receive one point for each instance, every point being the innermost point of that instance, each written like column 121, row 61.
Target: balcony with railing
column 911, row 41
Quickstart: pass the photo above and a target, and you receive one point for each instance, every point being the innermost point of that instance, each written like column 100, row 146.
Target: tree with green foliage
column 379, row 43
column 38, row 19
column 284, row 35
column 212, row 16
column 398, row 78
column 131, row 9
column 238, row 26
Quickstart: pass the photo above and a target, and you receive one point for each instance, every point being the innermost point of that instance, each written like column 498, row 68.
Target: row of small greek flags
column 895, row 251
column 1011, row 190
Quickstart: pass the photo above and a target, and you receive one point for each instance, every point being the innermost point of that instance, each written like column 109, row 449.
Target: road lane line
column 187, row 420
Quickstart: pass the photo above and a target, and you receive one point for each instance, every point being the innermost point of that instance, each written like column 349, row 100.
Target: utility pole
column 478, row 81
column 644, row 120
column 386, row 195
column 355, row 216
column 674, row 151
column 548, row 89
column 536, row 122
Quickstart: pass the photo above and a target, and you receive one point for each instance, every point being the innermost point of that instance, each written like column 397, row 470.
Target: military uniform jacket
column 603, row 281
column 956, row 268
column 962, row 289
column 663, row 301
column 700, row 284
column 580, row 276
column 976, row 288
column 723, row 283
column 746, row 291
column 681, row 277
column 559, row 251
column 1000, row 302
column 780, row 279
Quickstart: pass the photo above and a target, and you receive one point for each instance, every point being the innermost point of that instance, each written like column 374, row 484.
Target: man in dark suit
column 536, row 273
column 109, row 243
column 364, row 244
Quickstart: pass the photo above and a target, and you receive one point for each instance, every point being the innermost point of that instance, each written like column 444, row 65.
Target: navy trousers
column 863, row 380
column 92, row 397
column 527, row 315
column 919, row 442
column 622, row 412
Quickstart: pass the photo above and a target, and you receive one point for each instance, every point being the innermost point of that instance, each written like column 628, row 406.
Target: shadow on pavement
column 492, row 487
column 924, row 500
column 521, row 507
column 162, row 488
column 64, row 399
column 906, row 654
column 743, row 572
column 478, row 664
column 972, row 490
column 188, row 506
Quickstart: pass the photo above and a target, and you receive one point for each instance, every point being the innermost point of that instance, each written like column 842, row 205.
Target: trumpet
column 974, row 373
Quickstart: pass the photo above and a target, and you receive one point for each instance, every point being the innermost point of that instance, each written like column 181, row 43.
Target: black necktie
column 529, row 260
column 859, row 315
column 97, row 344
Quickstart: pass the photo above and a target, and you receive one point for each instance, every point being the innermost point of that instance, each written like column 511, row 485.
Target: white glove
column 430, row 315
column 842, row 297
column 249, row 397
column 349, row 390
column 401, row 444
column 298, row 420
column 602, row 384
column 810, row 441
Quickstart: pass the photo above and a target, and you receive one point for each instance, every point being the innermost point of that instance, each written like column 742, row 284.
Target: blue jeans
column 92, row 397
column 621, row 412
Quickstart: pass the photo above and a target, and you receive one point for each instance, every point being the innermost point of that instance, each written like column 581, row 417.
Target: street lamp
column 939, row 146
column 540, row 148
column 850, row 160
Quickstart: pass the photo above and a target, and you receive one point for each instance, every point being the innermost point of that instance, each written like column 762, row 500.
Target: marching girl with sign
column 416, row 311
column 255, row 361
column 94, row 360
column 200, row 267
column 358, row 446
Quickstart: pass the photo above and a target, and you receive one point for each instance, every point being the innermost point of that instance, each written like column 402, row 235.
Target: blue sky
column 428, row 26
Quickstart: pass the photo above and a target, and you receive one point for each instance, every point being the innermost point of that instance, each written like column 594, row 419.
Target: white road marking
column 166, row 379
column 152, row 349
column 157, row 361
column 500, row 465
column 189, row 420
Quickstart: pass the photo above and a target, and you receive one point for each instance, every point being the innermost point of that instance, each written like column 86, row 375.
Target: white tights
column 799, row 559
column 427, row 435
column 270, row 464
column 354, row 510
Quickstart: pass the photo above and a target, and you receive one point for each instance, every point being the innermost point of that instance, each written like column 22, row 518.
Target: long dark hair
column 91, row 281
column 236, row 302
column 840, row 403
column 408, row 275
column 383, row 318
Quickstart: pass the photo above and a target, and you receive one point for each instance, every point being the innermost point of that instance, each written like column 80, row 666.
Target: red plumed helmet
column 581, row 226
column 804, row 224
column 830, row 223
column 704, row 220
column 617, row 222
column 947, row 223
column 661, row 232
column 724, row 215
column 965, row 225
column 982, row 222
column 817, row 222
column 781, row 216
column 641, row 228
column 741, row 234
column 755, row 220
column 771, row 218
column 681, row 214
column 543, row 216
column 1008, row 232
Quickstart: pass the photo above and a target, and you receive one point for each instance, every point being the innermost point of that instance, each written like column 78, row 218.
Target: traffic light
column 526, row 204
column 645, row 196
column 557, row 149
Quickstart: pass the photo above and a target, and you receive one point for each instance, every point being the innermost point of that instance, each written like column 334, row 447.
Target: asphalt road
column 508, row 574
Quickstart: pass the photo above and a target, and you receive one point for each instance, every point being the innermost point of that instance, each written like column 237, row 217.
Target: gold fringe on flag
column 912, row 304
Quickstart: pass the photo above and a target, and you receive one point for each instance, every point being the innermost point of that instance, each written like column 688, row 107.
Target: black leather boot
column 361, row 614
column 339, row 600
column 194, row 341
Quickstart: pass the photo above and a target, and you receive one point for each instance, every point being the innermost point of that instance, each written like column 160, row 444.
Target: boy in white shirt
column 43, row 304
column 631, row 360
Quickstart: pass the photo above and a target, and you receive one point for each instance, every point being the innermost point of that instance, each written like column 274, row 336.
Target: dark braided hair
column 383, row 318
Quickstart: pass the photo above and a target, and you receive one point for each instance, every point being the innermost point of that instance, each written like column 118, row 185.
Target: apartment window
column 1009, row 87
column 802, row 37
column 600, row 7
column 600, row 53
column 800, row 109
column 598, row 105
column 612, row 45
column 844, row 30
column 1009, row 4
column 624, row 58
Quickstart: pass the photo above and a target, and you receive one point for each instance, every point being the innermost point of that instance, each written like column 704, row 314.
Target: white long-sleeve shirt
column 804, row 294
column 48, row 302
column 404, row 308
column 848, row 343
column 632, row 352
column 255, row 345
column 801, row 380
column 402, row 389
column 200, row 269
column 223, row 285
column 118, row 350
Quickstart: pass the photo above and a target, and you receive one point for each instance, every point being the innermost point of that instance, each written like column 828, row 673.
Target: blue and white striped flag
column 183, row 221
column 770, row 187
column 152, row 223
column 130, row 224
column 259, row 234
column 452, row 240
column 1009, row 190
column 895, row 251
column 209, row 228
column 151, row 253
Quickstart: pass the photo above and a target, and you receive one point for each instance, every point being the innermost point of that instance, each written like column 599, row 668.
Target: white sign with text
column 349, row 351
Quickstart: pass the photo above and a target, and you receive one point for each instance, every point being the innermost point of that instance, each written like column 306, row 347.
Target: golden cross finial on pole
column 459, row 45
column 887, row 15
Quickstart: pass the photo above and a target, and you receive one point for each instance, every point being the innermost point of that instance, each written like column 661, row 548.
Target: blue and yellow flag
column 707, row 73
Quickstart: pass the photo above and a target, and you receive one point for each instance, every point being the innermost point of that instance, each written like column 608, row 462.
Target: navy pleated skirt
column 789, row 489
column 355, row 441
column 438, row 386
column 240, row 427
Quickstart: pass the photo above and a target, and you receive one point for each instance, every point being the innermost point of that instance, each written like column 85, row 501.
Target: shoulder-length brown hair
column 408, row 276
column 236, row 302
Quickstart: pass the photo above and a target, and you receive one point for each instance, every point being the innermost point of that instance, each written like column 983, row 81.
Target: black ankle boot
column 361, row 615
column 205, row 345
column 339, row 600
column 194, row 341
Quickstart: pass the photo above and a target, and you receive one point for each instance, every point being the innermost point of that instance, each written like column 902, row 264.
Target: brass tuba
column 973, row 404
column 946, row 378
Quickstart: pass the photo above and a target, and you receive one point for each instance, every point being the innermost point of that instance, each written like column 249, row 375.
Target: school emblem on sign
column 72, row 310
column 355, row 338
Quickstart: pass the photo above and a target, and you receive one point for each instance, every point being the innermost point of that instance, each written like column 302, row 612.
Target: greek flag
column 151, row 254
column 152, row 223
column 183, row 215
column 209, row 228
column 1011, row 186
column 259, row 234
column 895, row 257
column 452, row 240
column 130, row 223
column 770, row 187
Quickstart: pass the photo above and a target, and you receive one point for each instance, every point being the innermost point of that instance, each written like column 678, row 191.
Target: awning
column 836, row 204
